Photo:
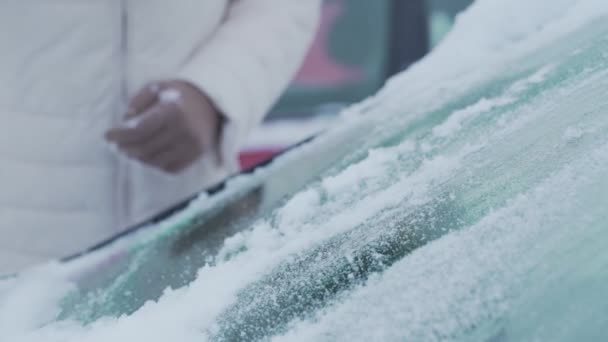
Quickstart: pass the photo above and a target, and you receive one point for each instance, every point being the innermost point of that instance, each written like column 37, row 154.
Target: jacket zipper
column 123, row 190
column 124, row 48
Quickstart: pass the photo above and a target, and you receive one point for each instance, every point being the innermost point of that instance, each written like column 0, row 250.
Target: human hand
column 169, row 126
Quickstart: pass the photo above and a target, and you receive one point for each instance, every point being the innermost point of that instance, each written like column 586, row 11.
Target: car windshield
column 465, row 201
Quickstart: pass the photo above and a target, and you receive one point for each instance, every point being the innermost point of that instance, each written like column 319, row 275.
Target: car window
column 510, row 157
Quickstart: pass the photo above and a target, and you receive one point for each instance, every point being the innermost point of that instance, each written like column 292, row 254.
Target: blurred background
column 359, row 44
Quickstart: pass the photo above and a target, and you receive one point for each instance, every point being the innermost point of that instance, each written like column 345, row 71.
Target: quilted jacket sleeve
column 250, row 60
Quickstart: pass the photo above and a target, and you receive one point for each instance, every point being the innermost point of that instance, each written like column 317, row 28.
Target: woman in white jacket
column 174, row 86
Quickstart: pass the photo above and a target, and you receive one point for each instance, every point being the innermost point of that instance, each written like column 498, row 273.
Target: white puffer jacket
column 67, row 68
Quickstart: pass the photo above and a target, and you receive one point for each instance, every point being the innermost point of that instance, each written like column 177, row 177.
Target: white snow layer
column 490, row 34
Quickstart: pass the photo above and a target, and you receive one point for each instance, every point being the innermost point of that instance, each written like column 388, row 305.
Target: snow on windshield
column 484, row 107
